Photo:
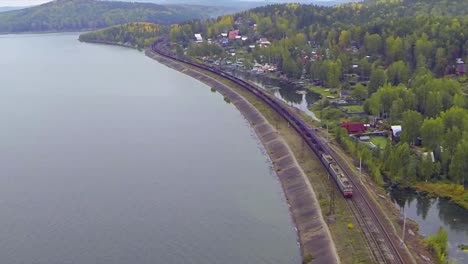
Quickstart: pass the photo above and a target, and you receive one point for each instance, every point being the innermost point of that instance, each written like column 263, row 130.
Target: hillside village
column 242, row 51
column 399, row 90
column 373, row 77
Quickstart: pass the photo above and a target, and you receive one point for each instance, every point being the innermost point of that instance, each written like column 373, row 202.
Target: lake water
column 294, row 95
column 433, row 213
column 107, row 156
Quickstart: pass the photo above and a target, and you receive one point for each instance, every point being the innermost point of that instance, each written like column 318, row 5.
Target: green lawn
column 324, row 92
column 353, row 108
column 380, row 141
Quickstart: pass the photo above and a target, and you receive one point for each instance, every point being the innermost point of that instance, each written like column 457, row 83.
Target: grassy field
column 353, row 108
column 324, row 92
column 380, row 142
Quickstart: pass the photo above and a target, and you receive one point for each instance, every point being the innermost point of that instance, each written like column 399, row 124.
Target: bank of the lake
column 314, row 236
column 455, row 193
column 104, row 160
column 324, row 250
column 119, row 44
column 286, row 91
column 430, row 213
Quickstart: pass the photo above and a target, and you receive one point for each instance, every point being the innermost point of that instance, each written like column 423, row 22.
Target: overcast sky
column 21, row 2
column 37, row 2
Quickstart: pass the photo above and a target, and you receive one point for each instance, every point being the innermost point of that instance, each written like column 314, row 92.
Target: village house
column 198, row 38
column 263, row 42
column 224, row 42
column 259, row 68
column 396, row 131
column 239, row 21
column 354, row 127
column 460, row 68
column 233, row 34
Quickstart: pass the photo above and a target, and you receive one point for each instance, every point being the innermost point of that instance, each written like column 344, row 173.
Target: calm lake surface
column 433, row 213
column 107, row 156
column 283, row 90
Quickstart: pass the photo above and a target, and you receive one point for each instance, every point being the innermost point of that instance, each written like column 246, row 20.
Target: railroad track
column 383, row 247
column 379, row 240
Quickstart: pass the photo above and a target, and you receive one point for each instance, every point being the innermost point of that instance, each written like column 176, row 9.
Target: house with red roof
column 354, row 127
column 233, row 34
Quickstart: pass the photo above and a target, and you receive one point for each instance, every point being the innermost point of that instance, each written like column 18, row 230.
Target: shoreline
column 314, row 237
column 309, row 242
column 102, row 42
column 47, row 32
column 444, row 191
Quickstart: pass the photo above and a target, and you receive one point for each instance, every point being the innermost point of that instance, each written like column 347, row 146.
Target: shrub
column 438, row 244
column 308, row 258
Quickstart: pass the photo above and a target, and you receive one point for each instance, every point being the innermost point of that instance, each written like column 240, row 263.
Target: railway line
column 382, row 244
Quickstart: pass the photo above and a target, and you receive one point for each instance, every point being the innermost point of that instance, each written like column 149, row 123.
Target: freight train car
column 309, row 136
column 337, row 174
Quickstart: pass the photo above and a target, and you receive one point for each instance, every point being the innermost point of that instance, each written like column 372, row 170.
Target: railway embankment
column 314, row 236
column 336, row 241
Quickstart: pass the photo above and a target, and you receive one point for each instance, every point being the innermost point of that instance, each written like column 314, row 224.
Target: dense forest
column 405, row 54
column 431, row 33
column 138, row 34
column 76, row 15
column 403, row 60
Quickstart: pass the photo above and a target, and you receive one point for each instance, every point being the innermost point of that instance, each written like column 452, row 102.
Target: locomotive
column 337, row 174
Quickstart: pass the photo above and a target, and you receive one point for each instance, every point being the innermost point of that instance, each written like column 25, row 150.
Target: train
column 308, row 134
column 337, row 174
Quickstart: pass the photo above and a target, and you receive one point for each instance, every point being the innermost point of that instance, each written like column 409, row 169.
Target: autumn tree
column 360, row 92
column 459, row 164
column 345, row 39
column 394, row 49
column 377, row 79
column 432, row 131
column 398, row 73
column 411, row 126
column 373, row 43
column 333, row 72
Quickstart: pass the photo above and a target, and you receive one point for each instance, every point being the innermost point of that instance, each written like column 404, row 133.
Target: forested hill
column 70, row 15
column 402, row 61
column 138, row 34
column 432, row 33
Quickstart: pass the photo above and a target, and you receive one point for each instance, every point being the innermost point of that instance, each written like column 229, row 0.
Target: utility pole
column 360, row 169
column 404, row 226
column 327, row 133
column 302, row 148
column 332, row 197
